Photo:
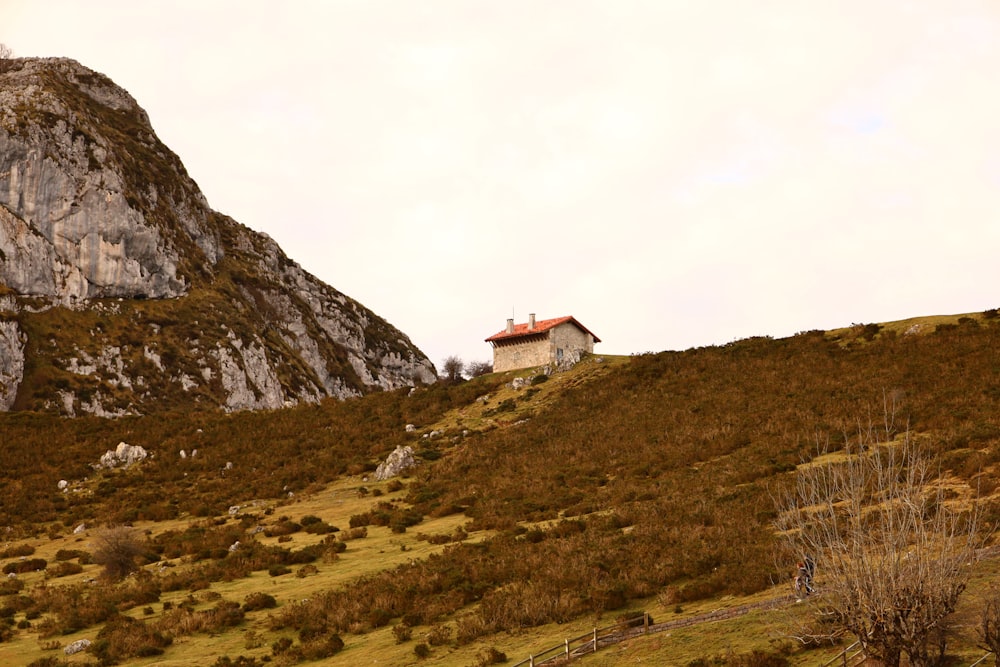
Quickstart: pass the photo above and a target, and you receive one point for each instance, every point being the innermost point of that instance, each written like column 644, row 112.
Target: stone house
column 559, row 341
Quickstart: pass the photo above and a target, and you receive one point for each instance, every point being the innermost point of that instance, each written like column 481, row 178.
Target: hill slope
column 624, row 482
column 121, row 291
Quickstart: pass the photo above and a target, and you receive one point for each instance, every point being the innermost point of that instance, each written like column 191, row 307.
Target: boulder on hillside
column 123, row 455
column 77, row 646
column 399, row 460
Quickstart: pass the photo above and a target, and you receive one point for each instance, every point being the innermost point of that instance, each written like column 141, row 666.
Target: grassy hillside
column 626, row 483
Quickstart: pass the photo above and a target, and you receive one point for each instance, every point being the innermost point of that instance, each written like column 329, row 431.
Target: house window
column 559, row 354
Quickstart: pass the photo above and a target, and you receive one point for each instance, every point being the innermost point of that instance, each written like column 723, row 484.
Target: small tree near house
column 452, row 369
column 478, row 368
column 6, row 53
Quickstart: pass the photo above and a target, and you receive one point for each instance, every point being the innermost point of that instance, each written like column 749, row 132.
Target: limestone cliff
column 122, row 291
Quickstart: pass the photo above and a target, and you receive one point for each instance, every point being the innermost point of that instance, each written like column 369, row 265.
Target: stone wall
column 542, row 349
column 571, row 341
column 525, row 353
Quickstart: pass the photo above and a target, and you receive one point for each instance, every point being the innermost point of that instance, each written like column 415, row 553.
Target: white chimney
column 531, row 321
column 510, row 325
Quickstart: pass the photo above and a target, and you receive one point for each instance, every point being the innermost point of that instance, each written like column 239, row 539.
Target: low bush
column 11, row 586
column 282, row 528
column 439, row 635
column 320, row 649
column 23, row 566
column 258, row 600
column 83, row 557
column 123, row 637
column 490, row 656
column 354, row 533
column 18, row 551
column 402, row 633
column 64, row 569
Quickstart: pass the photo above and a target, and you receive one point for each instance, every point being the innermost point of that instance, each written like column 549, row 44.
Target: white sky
column 672, row 173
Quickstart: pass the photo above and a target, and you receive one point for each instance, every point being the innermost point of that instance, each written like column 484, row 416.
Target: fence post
column 531, row 660
column 567, row 646
column 645, row 622
column 595, row 640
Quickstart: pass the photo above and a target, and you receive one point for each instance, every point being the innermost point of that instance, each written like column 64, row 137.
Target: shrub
column 320, row 649
column 278, row 570
column 48, row 661
column 258, row 600
column 354, row 533
column 18, row 551
column 281, row 646
column 758, row 658
column 69, row 554
column 319, row 528
column 490, row 656
column 241, row 661
column 439, row 635
column 282, row 528
column 335, row 546
column 123, row 637
column 421, row 650
column 379, row 617
column 64, row 569
column 402, row 633
column 225, row 614
column 117, row 550
column 539, row 379
column 11, row 586
column 27, row 565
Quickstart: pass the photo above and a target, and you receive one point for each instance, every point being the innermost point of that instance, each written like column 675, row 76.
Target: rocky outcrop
column 124, row 455
column 77, row 646
column 128, row 294
column 11, row 353
column 71, row 226
column 399, row 460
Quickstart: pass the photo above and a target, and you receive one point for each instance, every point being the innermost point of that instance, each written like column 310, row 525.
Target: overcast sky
column 671, row 173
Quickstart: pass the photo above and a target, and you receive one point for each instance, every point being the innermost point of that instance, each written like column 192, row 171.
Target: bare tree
column 452, row 369
column 894, row 557
column 6, row 53
column 478, row 368
column 989, row 622
column 117, row 549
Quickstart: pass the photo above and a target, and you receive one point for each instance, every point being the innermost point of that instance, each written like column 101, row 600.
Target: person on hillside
column 802, row 586
column 810, row 571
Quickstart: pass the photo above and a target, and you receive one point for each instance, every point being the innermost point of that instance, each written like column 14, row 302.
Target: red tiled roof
column 541, row 326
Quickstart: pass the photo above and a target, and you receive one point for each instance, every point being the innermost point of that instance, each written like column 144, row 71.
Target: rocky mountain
column 122, row 291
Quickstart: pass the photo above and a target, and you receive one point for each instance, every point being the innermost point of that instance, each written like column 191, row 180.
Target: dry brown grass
column 605, row 488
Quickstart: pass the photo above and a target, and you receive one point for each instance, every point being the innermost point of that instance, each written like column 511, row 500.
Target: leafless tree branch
column 894, row 555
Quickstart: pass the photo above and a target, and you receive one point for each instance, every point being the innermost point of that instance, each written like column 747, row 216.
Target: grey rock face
column 99, row 219
column 67, row 229
column 400, row 460
column 11, row 362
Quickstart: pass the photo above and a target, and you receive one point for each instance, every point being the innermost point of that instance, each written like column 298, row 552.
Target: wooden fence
column 590, row 642
column 849, row 657
column 642, row 624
